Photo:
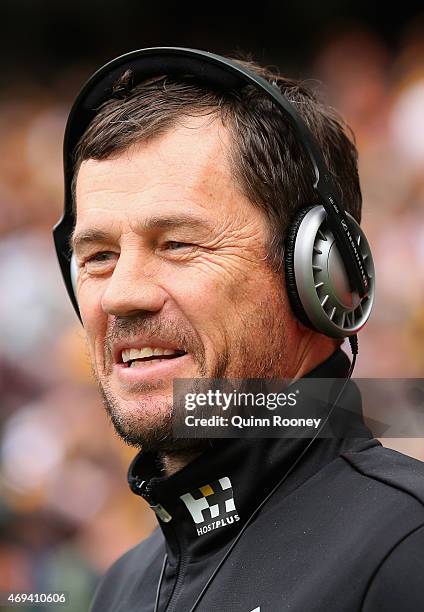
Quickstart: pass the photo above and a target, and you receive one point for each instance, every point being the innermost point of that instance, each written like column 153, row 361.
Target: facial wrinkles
column 232, row 351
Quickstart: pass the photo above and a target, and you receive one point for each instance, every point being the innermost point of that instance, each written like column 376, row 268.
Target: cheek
column 199, row 295
column 218, row 307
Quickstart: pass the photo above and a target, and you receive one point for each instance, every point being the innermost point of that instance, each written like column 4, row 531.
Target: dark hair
column 267, row 159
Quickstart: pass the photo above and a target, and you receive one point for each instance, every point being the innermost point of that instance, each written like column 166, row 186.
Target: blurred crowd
column 65, row 510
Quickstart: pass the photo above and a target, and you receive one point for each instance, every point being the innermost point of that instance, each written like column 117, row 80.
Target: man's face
column 173, row 281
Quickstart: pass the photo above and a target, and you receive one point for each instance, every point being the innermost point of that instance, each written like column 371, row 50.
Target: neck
column 174, row 461
column 314, row 349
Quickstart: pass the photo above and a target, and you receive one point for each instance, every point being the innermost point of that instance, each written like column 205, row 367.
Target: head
column 183, row 197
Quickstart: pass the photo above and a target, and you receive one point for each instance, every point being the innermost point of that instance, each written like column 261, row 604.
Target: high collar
column 201, row 507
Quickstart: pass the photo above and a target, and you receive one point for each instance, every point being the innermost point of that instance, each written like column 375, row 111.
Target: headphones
column 328, row 264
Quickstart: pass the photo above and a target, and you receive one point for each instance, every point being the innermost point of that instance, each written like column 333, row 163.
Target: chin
column 141, row 424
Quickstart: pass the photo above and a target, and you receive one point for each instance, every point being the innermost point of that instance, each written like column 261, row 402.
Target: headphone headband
column 220, row 72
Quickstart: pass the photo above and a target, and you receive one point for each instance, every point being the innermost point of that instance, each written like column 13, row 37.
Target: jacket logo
column 210, row 502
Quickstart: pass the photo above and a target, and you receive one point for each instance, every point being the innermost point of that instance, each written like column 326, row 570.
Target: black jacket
column 343, row 533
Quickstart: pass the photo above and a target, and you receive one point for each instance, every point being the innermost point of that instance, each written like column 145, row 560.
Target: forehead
column 186, row 167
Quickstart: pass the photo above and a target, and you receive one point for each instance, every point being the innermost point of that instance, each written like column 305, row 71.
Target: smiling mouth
column 147, row 356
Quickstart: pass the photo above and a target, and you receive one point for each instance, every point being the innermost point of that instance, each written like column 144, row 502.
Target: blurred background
column 66, row 512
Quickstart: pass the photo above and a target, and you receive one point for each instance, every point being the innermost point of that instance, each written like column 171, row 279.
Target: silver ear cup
column 321, row 279
column 74, row 273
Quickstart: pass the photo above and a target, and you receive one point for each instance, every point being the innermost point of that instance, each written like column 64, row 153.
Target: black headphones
column 328, row 263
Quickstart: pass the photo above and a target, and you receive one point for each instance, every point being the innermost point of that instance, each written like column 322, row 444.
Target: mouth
column 149, row 365
column 147, row 356
column 152, row 362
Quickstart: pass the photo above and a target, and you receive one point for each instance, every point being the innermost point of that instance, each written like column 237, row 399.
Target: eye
column 175, row 244
column 102, row 256
column 178, row 251
column 99, row 262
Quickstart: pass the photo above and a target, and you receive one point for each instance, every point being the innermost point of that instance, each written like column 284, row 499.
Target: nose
column 132, row 287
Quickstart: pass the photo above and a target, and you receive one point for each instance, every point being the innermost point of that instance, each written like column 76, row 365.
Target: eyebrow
column 88, row 236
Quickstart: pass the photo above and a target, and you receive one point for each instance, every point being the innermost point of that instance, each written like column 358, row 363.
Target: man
column 183, row 196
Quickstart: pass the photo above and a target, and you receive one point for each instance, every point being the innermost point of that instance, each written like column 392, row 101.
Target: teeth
column 134, row 353
column 147, row 351
column 144, row 364
column 141, row 364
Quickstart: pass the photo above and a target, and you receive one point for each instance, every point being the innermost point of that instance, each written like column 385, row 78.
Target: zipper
column 171, row 606
column 141, row 488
